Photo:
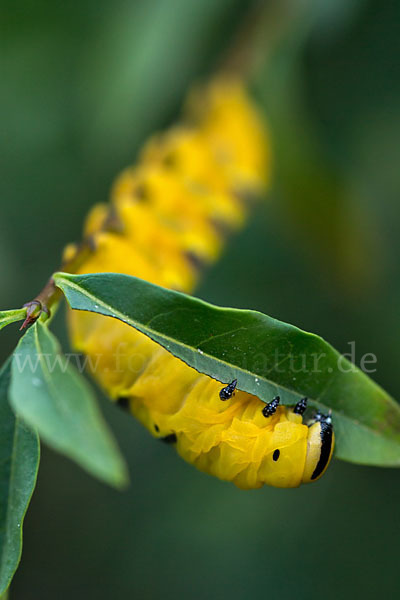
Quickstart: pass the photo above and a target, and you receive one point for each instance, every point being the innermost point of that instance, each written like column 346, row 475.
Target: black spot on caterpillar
column 169, row 439
column 123, row 402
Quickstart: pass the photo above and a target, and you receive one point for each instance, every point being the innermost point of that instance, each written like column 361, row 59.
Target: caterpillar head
column 310, row 448
column 320, row 443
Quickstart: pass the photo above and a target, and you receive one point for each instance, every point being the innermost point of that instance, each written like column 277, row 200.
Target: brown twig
column 51, row 294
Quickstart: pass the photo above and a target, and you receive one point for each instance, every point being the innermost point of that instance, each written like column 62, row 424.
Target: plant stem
column 50, row 295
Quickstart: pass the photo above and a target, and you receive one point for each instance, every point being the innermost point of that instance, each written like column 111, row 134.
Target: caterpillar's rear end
column 168, row 219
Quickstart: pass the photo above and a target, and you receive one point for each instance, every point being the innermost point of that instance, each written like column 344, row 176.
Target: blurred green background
column 83, row 84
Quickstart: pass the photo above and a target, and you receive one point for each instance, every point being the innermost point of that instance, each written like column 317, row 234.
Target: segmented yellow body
column 166, row 220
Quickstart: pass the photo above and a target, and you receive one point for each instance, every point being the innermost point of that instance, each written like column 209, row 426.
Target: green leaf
column 11, row 316
column 266, row 356
column 19, row 460
column 50, row 395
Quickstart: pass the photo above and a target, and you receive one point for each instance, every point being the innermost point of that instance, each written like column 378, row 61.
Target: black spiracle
column 276, row 455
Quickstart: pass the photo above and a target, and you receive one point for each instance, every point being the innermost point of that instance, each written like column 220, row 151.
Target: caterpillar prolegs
column 168, row 217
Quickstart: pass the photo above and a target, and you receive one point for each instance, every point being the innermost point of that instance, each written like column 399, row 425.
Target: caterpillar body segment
column 168, row 218
column 232, row 440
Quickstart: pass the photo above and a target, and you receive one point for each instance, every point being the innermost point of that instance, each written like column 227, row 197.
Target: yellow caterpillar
column 167, row 219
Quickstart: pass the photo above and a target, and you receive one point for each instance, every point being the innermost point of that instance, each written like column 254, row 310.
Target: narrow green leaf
column 267, row 357
column 49, row 394
column 19, row 462
column 11, row 316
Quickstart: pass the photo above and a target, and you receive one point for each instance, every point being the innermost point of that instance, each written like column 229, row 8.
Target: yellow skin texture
column 189, row 185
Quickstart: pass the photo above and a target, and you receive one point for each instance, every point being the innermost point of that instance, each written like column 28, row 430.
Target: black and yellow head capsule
column 227, row 392
column 320, row 444
column 270, row 408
